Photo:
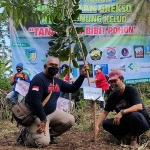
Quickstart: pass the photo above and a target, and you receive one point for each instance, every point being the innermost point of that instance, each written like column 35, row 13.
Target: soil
column 71, row 140
column 77, row 138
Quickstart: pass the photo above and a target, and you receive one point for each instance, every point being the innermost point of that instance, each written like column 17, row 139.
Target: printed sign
column 22, row 87
column 91, row 93
column 64, row 104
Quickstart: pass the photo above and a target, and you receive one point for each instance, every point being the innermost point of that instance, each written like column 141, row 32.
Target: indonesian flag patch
column 35, row 88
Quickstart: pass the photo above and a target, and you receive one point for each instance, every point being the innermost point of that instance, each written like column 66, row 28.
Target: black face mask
column 53, row 70
column 18, row 70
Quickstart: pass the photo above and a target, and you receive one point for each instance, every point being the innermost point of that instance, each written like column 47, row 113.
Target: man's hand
column 84, row 70
column 117, row 118
column 42, row 128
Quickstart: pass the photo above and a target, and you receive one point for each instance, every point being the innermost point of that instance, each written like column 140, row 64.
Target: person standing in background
column 100, row 82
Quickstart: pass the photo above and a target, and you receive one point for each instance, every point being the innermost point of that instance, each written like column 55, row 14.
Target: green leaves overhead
column 77, row 50
column 59, row 14
column 24, row 10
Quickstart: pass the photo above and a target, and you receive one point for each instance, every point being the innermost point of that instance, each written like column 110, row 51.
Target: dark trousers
column 135, row 124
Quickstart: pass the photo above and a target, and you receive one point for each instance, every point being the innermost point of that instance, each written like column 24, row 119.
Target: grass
column 79, row 137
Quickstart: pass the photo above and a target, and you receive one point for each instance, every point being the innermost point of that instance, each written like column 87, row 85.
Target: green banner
column 20, row 44
column 135, row 81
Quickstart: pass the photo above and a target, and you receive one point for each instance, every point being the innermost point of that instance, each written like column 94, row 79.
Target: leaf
column 63, row 57
column 42, row 1
column 55, row 35
column 76, row 48
column 84, row 50
column 74, row 16
column 51, row 43
column 35, row 18
column 81, row 39
column 63, row 74
column 77, row 1
column 75, row 7
column 90, row 66
column 79, row 29
column 78, row 11
column 75, row 64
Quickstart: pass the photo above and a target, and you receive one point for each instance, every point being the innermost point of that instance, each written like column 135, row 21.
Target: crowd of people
column 131, row 120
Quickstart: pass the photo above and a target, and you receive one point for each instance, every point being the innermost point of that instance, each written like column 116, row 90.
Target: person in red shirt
column 100, row 82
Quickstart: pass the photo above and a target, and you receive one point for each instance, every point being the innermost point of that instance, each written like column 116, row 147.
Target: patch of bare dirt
column 74, row 139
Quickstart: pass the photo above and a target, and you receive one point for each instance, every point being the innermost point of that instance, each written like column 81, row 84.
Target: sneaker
column 126, row 141
column 20, row 139
column 53, row 141
column 134, row 144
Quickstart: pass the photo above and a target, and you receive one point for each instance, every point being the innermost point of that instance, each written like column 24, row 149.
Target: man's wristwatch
column 122, row 111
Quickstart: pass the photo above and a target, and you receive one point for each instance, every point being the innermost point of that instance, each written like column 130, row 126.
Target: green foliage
column 5, row 83
column 25, row 10
column 60, row 41
column 82, row 104
column 144, row 91
column 61, row 14
column 65, row 35
column 5, row 68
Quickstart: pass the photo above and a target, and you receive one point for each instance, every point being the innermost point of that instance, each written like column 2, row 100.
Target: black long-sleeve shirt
column 41, row 86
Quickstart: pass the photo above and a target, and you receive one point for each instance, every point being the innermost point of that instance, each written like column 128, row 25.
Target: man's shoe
column 20, row 139
column 53, row 141
column 126, row 141
column 134, row 142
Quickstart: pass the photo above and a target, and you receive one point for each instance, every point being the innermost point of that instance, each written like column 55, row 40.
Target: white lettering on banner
column 91, row 93
column 64, row 104
column 22, row 87
column 144, row 67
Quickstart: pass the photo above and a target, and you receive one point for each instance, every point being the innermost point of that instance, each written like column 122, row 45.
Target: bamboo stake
column 80, row 46
column 94, row 106
column 70, row 58
column 70, row 109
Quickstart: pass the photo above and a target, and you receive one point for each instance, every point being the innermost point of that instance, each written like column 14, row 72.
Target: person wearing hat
column 101, row 82
column 19, row 75
column 131, row 119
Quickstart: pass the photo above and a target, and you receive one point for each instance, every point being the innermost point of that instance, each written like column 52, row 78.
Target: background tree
column 5, row 58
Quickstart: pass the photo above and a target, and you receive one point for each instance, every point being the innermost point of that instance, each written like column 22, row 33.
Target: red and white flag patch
column 35, row 88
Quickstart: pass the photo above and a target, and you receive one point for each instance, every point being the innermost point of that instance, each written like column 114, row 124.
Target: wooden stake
column 94, row 107
column 95, row 135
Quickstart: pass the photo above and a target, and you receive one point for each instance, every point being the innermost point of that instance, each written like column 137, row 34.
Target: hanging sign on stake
column 91, row 93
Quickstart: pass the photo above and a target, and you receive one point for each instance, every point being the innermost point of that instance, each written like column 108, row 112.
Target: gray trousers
column 57, row 123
